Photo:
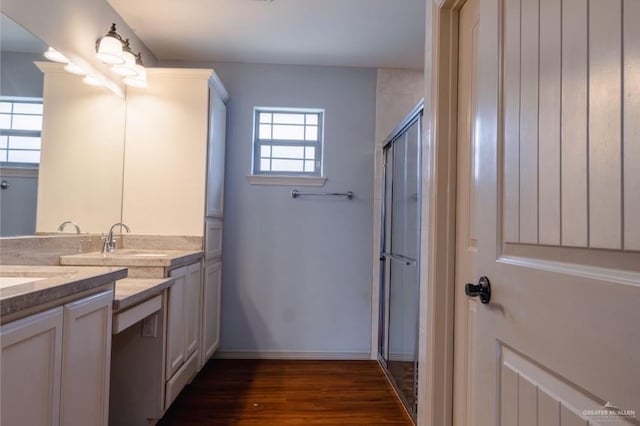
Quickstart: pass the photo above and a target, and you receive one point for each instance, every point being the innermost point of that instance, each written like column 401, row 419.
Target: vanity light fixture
column 74, row 69
column 109, row 48
column 139, row 80
column 55, row 56
column 128, row 69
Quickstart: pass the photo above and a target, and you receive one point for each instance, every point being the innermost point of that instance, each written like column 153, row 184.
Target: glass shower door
column 400, row 279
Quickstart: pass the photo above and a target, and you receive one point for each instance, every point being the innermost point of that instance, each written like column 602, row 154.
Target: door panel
column 549, row 122
column 532, row 396
column 192, row 296
column 176, row 322
column 216, row 149
column 560, row 334
column 211, row 306
column 86, row 361
column 30, row 370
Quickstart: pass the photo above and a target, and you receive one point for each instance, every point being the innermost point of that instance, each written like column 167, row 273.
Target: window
column 20, row 130
column 287, row 142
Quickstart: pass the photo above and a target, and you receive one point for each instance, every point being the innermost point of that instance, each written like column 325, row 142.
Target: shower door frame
column 414, row 117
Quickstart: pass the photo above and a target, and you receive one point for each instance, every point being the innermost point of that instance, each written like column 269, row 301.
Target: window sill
column 286, row 180
column 13, row 170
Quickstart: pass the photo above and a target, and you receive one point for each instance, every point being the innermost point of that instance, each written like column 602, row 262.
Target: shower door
column 400, row 247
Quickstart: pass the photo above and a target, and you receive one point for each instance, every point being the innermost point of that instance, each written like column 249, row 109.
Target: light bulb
column 74, row 69
column 92, row 80
column 140, row 80
column 55, row 56
column 109, row 49
column 128, row 69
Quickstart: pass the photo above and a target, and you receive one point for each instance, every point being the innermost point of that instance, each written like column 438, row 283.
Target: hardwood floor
column 270, row 392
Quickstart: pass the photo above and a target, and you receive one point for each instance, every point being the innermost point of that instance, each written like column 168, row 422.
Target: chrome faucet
column 68, row 222
column 110, row 243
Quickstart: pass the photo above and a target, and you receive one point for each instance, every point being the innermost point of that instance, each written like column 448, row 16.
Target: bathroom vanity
column 113, row 338
column 56, row 344
column 158, row 323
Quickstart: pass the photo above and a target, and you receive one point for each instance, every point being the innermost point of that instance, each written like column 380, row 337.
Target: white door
column 466, row 236
column 558, row 196
column 30, row 370
column 86, row 361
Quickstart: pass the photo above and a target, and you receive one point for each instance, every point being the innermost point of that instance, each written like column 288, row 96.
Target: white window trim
column 16, row 171
column 19, row 169
column 287, row 180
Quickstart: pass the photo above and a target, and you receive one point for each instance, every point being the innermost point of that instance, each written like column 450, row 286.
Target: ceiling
column 362, row 33
column 14, row 38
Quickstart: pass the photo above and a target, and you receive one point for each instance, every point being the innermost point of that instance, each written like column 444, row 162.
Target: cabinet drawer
column 180, row 379
column 125, row 319
column 213, row 239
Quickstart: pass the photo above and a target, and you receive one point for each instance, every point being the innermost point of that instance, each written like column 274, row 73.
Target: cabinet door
column 215, row 163
column 86, row 361
column 211, row 309
column 193, row 289
column 30, row 370
column 212, row 239
column 176, row 322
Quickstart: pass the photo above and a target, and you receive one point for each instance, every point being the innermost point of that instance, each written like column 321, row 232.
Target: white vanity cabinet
column 55, row 365
column 183, row 329
column 30, row 373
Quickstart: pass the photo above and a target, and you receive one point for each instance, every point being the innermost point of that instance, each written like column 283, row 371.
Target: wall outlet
column 150, row 326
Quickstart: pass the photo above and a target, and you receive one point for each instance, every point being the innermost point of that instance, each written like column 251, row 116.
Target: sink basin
column 11, row 281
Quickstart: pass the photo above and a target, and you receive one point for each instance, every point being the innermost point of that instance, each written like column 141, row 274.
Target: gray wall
column 18, row 205
column 297, row 273
column 19, row 76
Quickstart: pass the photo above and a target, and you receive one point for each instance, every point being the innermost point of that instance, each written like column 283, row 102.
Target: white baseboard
column 350, row 356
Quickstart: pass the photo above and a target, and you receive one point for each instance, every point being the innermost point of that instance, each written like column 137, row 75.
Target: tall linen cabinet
column 173, row 184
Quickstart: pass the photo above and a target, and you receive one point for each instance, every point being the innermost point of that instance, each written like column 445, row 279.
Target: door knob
column 482, row 289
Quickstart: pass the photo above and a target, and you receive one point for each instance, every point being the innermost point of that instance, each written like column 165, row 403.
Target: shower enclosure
column 399, row 259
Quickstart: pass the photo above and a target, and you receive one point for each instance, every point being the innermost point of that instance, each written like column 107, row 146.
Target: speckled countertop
column 131, row 291
column 25, row 286
column 134, row 257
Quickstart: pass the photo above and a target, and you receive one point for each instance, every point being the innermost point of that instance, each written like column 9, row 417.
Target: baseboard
column 351, row 356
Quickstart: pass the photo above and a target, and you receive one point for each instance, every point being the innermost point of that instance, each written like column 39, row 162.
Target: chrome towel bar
column 295, row 194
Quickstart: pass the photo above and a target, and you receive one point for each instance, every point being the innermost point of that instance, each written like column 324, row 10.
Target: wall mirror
column 61, row 143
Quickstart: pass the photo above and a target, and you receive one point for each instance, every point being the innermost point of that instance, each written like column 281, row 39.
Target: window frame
column 21, row 133
column 258, row 143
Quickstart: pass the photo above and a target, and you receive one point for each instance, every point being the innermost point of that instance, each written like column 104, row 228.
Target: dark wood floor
column 248, row 392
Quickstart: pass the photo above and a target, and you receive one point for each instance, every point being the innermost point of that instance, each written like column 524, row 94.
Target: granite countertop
column 131, row 291
column 25, row 286
column 134, row 257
